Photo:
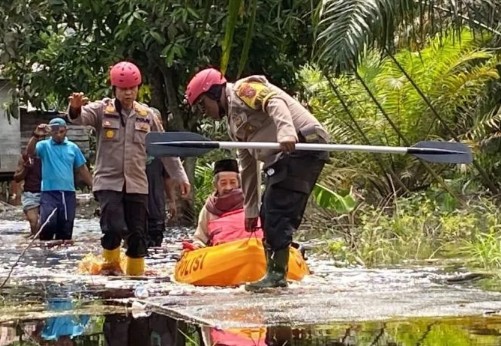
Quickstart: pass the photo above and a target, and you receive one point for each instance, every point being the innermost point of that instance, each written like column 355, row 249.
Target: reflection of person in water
column 155, row 330
column 61, row 330
column 264, row 336
column 278, row 336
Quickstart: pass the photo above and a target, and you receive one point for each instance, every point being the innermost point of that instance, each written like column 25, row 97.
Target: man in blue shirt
column 60, row 159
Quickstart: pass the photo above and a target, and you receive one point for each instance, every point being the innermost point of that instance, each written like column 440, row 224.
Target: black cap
column 226, row 165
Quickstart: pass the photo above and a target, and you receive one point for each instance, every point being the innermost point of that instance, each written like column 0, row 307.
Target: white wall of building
column 10, row 133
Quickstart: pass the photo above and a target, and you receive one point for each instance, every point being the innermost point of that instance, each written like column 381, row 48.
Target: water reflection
column 155, row 330
column 48, row 275
column 66, row 327
column 160, row 330
column 264, row 336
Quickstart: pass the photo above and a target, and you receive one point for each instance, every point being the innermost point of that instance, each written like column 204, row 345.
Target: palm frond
column 231, row 22
column 248, row 39
column 348, row 28
column 453, row 73
column 486, row 128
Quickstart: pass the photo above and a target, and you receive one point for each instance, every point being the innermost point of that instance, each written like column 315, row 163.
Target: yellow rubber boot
column 111, row 263
column 135, row 266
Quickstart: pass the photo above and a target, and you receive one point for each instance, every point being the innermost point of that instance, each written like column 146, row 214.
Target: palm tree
column 454, row 78
column 348, row 29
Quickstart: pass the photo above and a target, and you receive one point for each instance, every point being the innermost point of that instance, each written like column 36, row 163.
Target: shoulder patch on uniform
column 141, row 110
column 254, row 94
column 109, row 107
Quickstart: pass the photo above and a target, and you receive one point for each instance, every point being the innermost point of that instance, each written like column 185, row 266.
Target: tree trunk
column 176, row 123
column 158, row 97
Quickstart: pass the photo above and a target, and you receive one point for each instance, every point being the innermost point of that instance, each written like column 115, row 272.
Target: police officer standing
column 120, row 181
column 159, row 187
column 258, row 111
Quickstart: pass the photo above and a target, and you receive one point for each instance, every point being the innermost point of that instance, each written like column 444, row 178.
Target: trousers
column 289, row 183
column 124, row 216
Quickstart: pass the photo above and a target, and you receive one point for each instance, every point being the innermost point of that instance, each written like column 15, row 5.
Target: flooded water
column 47, row 301
column 117, row 329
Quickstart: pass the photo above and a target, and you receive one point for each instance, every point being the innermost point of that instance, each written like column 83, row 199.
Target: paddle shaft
column 311, row 147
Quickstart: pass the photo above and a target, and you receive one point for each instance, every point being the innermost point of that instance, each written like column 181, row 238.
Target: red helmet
column 125, row 75
column 202, row 82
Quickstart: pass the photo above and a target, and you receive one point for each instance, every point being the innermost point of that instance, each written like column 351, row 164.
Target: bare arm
column 169, row 188
column 84, row 174
column 38, row 134
column 178, row 175
column 20, row 173
column 171, row 196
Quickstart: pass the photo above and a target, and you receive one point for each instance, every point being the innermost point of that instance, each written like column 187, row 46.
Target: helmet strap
column 222, row 111
column 118, row 107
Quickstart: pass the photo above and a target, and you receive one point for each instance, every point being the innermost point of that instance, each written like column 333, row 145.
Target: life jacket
column 230, row 226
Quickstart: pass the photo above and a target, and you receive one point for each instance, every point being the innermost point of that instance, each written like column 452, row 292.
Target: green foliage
column 483, row 248
column 461, row 331
column 347, row 29
column 204, row 185
column 233, row 9
column 421, row 227
column 51, row 48
column 328, row 199
column 191, row 335
column 426, row 332
column 454, row 75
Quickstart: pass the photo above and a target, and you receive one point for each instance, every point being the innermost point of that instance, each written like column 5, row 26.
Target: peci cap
column 226, row 165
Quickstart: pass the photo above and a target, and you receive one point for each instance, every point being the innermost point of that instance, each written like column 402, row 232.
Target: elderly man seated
column 222, row 218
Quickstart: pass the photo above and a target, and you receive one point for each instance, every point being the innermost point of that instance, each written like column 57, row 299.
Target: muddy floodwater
column 47, row 301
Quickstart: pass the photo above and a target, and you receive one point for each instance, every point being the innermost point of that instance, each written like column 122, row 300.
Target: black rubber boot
column 276, row 271
column 267, row 253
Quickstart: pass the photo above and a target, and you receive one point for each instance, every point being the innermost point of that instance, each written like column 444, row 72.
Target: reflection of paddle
column 192, row 144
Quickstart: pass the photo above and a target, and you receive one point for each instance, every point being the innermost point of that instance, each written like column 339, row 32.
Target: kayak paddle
column 185, row 144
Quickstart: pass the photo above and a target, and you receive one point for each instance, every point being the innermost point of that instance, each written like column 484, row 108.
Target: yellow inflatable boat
column 233, row 263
